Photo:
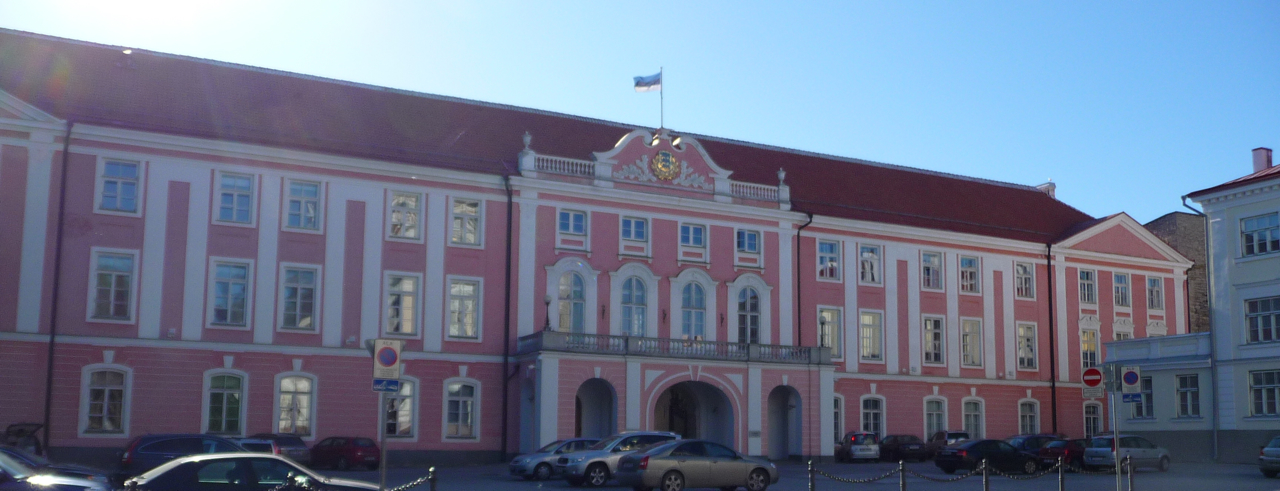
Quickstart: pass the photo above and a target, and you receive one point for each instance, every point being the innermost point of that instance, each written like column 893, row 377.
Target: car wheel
column 597, row 475
column 672, row 481
column 1269, row 473
column 758, row 480
column 542, row 472
column 1030, row 467
column 949, row 470
column 342, row 464
column 1164, row 464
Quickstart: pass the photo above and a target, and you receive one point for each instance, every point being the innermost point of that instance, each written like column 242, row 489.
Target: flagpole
column 662, row 105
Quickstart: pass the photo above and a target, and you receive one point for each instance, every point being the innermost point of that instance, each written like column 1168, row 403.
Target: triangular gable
column 15, row 108
column 1121, row 235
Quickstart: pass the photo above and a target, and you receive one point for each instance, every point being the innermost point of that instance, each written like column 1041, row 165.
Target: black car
column 148, row 451
column 42, row 466
column 290, row 446
column 237, row 471
column 941, row 439
column 1030, row 444
column 998, row 453
column 903, row 447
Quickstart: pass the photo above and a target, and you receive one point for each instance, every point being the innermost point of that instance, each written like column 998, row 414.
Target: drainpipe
column 57, row 274
column 799, row 311
column 506, row 324
column 1053, row 350
column 1213, row 352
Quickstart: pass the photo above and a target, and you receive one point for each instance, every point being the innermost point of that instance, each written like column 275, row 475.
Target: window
column 106, row 402
column 406, row 212
column 573, row 222
column 1143, row 408
column 118, row 187
column 837, row 421
column 1260, row 234
column 1263, row 318
column 460, row 413
column 303, row 208
column 828, row 260
column 296, row 405
column 635, row 229
column 1026, row 345
column 1088, row 286
column 1029, row 417
column 973, row 419
column 749, row 241
column 1264, row 391
column 873, row 415
column 1092, row 420
column 112, row 287
column 869, row 264
column 693, row 312
column 830, row 329
column 402, row 304
column 748, row 316
column 1025, row 280
column 225, row 396
column 933, row 341
column 397, row 416
column 466, row 222
column 870, row 331
column 931, row 271
column 1088, row 348
column 464, row 309
column 230, row 294
column 572, row 303
column 935, row 416
column 634, row 306
column 235, row 198
column 969, row 274
column 971, row 342
column 1188, row 396
column 1121, row 290
column 1155, row 293
column 693, row 235
column 299, row 298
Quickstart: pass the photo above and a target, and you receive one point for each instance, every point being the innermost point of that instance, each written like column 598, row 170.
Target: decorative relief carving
column 689, row 179
column 639, row 171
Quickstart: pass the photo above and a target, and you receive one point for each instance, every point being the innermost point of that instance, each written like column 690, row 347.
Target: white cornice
column 33, row 114
column 1263, row 186
column 648, row 199
column 948, row 380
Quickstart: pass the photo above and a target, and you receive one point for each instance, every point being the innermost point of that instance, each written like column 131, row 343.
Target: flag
column 650, row 83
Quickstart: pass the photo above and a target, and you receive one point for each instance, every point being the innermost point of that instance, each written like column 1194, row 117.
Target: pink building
column 214, row 243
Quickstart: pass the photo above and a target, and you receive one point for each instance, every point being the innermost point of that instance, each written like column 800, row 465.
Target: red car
column 343, row 452
column 1072, row 452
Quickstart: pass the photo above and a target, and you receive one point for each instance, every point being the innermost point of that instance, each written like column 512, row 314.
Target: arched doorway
column 696, row 410
column 595, row 413
column 786, row 436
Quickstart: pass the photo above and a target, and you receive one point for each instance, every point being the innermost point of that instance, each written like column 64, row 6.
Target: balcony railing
column 670, row 348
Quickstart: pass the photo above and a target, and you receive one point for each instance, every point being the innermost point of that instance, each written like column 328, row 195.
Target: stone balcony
column 604, row 344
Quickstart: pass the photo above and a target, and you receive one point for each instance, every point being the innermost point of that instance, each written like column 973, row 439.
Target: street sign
column 1092, row 392
column 1092, row 378
column 1129, row 380
column 386, row 359
column 386, row 385
column 1132, row 397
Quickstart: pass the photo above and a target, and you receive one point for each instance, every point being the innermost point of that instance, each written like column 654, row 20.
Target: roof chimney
column 1049, row 188
column 1261, row 159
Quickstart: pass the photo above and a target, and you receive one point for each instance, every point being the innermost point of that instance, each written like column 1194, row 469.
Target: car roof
column 162, row 468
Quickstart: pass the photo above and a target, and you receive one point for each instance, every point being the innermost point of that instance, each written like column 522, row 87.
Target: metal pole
column 986, row 478
column 1128, row 464
column 431, row 477
column 1115, row 433
column 812, row 482
column 382, row 442
column 1062, row 473
column 902, row 475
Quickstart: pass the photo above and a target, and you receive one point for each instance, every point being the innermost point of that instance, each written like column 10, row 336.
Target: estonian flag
column 650, row 83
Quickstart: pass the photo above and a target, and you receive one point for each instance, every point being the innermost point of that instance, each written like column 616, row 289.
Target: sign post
column 386, row 378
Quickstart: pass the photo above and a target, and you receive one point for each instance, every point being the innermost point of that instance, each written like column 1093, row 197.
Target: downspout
column 506, row 325
column 1213, row 353
column 800, row 325
column 57, row 274
column 1053, row 350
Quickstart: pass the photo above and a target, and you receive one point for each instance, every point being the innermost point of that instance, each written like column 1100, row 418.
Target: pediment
column 1121, row 235
column 12, row 107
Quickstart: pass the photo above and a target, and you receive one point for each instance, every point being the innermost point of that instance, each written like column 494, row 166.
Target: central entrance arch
column 595, row 414
column 785, row 429
column 696, row 410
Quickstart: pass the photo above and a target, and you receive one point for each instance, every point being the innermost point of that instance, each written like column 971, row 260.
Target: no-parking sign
column 386, row 359
column 1130, row 378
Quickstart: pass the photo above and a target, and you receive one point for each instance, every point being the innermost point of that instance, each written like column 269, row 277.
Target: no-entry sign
column 1092, row 378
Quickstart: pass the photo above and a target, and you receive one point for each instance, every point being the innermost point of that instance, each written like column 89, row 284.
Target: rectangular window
column 1089, row 348
column 113, row 286
column 636, row 229
column 749, row 241
column 402, row 304
column 299, row 298
column 460, row 411
column 693, row 235
column 1029, row 418
column 466, row 228
column 406, row 211
column 969, row 274
column 464, row 308
column 935, row 416
column 118, row 185
column 1088, row 286
column 397, row 415
column 838, row 418
column 1143, row 408
column 296, row 409
column 1260, row 234
column 230, row 294
column 933, row 341
column 225, row 396
column 1263, row 318
column 106, row 402
column 931, row 271
column 830, row 329
column 873, row 415
column 869, row 264
column 1025, row 280
column 971, row 342
column 871, row 330
column 1155, row 293
column 828, row 259
column 1264, row 392
column 1121, row 290
column 1026, row 345
column 573, row 222
column 303, row 208
column 973, row 419
column 235, row 198
column 1188, row 396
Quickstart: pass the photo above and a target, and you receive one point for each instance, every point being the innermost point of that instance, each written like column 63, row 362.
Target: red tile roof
column 1262, row 175
column 97, row 84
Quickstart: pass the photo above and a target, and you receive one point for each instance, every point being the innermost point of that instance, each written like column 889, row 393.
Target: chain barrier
column 1028, row 477
column 1057, row 468
column 851, row 480
column 1082, row 470
column 976, row 470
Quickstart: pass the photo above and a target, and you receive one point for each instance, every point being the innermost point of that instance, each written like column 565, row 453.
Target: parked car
column 541, row 463
column 344, row 452
column 1071, row 451
column 290, row 446
column 941, row 439
column 597, row 464
column 858, row 445
column 147, row 451
column 42, row 465
column 1269, row 458
column 998, row 453
column 236, row 471
column 1030, row 444
column 257, row 445
column 23, row 435
column 674, row 466
column 903, row 447
column 1102, row 452
column 16, row 476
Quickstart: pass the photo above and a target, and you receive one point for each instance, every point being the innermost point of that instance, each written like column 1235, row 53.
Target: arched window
column 634, row 305
column 1028, row 417
column 873, row 415
column 693, row 312
column 226, row 400
column 1092, row 419
column 398, row 412
column 296, row 396
column 572, row 303
column 973, row 419
column 935, row 416
column 748, row 316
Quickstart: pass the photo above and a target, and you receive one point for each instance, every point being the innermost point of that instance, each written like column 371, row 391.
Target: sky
column 1126, row 106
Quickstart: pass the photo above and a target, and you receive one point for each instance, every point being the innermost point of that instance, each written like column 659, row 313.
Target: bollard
column 1128, row 462
column 986, row 479
column 813, row 484
column 431, row 477
column 1062, row 473
column 902, row 475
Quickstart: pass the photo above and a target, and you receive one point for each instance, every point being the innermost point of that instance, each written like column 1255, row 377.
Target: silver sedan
column 694, row 464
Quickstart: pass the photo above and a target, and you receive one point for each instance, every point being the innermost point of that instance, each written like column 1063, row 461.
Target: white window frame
column 1088, row 288
column 1024, row 285
column 99, row 187
column 1264, row 392
column 834, row 330
column 316, row 295
column 1268, row 235
column 1034, row 364
column 418, row 210
column 982, row 417
column 933, row 277
column 479, row 305
column 1251, row 319
column 312, row 413
column 287, row 198
column 709, row 288
column 1022, row 428
column 624, row 241
column 590, row 296
column 419, row 313
column 945, row 418
column 255, row 184
column 212, row 293
column 1155, row 296
column 1096, row 351
column 968, row 340
column 86, row 376
column 1188, row 397
column 742, row 233
column 837, row 420
column 1124, row 292
column 1100, row 418
column 862, row 413
column 1147, row 400
column 478, row 217
column 879, row 334
column 744, row 281
column 413, row 398
column 91, row 303
column 973, row 284
column 617, row 281
column 560, row 223
column 942, row 340
column 830, row 265
column 476, row 420
column 876, row 264
column 207, row 392
column 691, row 227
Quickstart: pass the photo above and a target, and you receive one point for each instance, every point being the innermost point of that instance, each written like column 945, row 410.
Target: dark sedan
column 684, row 464
column 903, row 447
column 1030, row 444
column 999, row 454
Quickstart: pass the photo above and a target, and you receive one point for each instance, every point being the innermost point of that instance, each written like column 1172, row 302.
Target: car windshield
column 1275, row 443
column 363, row 442
column 864, row 439
column 909, row 439
column 603, row 444
column 28, row 456
column 13, row 468
column 1017, row 442
column 550, row 446
column 1057, row 444
column 1100, row 442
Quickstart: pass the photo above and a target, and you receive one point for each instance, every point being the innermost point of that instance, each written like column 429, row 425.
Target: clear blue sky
column 1127, row 106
